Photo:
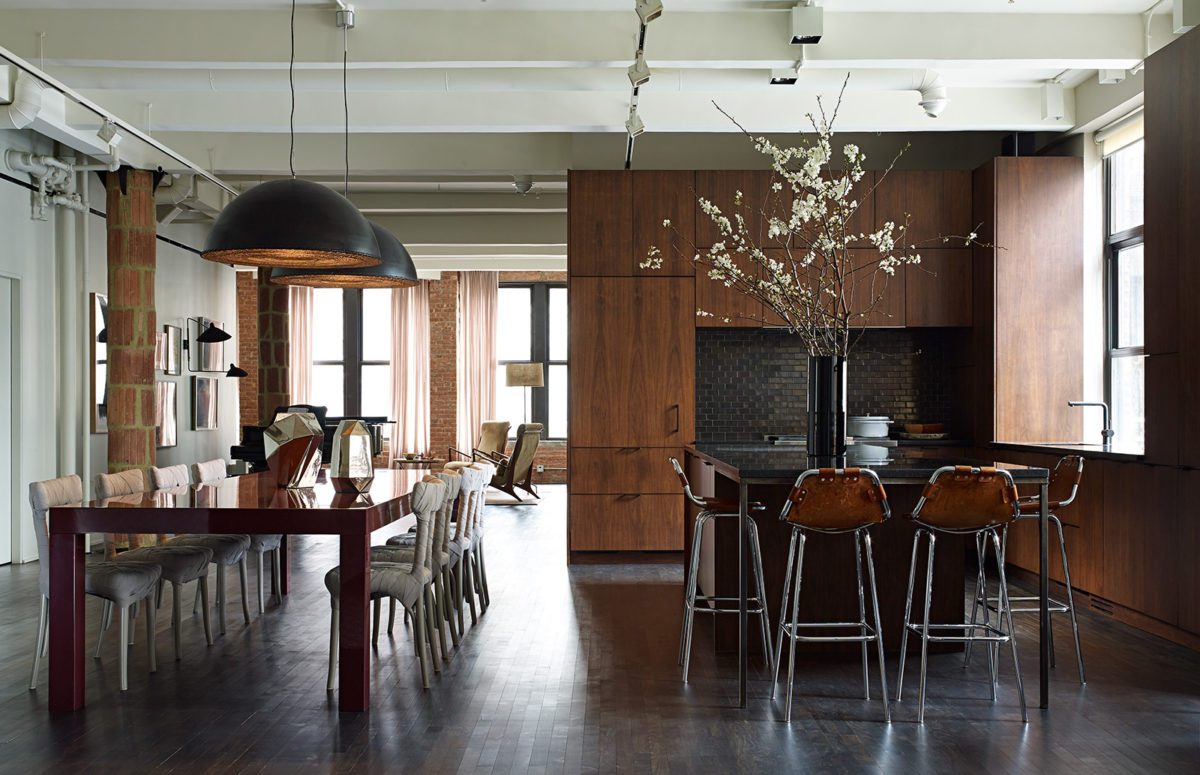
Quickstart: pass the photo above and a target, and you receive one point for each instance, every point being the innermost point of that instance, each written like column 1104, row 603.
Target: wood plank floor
column 572, row 670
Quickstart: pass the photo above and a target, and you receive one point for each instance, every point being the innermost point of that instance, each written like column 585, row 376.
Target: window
column 352, row 351
column 532, row 326
column 1124, row 272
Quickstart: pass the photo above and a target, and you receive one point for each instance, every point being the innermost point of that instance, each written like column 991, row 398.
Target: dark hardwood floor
column 573, row 669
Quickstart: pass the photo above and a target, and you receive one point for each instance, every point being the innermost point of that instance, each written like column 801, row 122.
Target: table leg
column 354, row 657
column 285, row 568
column 743, row 646
column 66, row 621
column 1044, row 598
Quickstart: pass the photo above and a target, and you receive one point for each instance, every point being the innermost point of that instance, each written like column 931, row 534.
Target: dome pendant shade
column 292, row 223
column 396, row 270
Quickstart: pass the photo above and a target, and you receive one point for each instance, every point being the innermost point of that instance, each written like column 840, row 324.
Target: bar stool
column 831, row 501
column 714, row 508
column 962, row 500
column 1064, row 486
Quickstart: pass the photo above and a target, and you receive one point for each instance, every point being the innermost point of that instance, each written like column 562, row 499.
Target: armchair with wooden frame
column 516, row 470
column 493, row 439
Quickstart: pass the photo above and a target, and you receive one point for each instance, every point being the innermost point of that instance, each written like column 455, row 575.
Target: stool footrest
column 870, row 635
column 1054, row 606
column 994, row 634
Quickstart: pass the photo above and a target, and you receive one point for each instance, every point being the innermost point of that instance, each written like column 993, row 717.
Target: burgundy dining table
column 244, row 504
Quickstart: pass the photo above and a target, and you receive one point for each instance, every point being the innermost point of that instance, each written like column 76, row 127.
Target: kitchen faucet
column 1107, row 433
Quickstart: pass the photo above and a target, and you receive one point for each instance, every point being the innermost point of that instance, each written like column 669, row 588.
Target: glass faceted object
column 293, row 447
column 351, row 470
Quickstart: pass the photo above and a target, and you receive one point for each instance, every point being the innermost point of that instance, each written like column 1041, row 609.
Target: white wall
column 43, row 256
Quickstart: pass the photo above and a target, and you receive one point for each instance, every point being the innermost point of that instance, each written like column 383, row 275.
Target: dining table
column 247, row 504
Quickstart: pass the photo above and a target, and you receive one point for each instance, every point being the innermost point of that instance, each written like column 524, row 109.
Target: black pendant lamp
column 292, row 223
column 396, row 270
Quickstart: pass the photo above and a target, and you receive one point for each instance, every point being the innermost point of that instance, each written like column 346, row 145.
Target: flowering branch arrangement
column 813, row 272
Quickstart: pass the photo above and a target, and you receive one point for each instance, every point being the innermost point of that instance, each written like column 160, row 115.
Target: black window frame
column 539, row 322
column 1114, row 243
column 352, row 349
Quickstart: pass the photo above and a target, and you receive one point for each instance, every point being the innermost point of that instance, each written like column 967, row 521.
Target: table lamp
column 524, row 375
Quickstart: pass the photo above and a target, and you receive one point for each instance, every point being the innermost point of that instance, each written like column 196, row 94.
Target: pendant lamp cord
column 292, row 92
column 346, row 103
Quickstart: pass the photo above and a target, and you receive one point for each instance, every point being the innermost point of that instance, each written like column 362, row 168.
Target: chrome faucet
column 1107, row 433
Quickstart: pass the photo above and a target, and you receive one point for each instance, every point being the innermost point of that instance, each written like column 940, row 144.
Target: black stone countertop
column 767, row 462
column 1115, row 452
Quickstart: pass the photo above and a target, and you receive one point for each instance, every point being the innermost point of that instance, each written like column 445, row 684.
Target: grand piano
column 253, row 451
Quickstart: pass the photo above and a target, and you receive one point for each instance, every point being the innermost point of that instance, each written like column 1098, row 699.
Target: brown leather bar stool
column 828, row 500
column 716, row 508
column 1064, row 486
column 966, row 501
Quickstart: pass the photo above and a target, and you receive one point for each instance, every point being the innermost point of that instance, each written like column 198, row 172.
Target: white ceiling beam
column 529, row 229
column 457, row 204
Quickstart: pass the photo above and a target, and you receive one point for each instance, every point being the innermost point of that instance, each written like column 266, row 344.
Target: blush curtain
column 478, row 298
column 410, row 368
column 300, row 335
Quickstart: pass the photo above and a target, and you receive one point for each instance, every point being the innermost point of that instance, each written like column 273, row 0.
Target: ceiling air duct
column 24, row 103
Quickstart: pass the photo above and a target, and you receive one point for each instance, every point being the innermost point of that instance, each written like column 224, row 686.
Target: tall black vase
column 826, row 410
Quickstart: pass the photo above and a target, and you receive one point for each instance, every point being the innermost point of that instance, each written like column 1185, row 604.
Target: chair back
column 485, row 478
column 528, row 436
column 966, row 499
column 836, row 500
column 493, row 436
column 209, row 471
column 129, row 482
column 170, row 477
column 43, row 496
column 426, row 498
column 683, row 480
column 441, row 538
column 1064, row 481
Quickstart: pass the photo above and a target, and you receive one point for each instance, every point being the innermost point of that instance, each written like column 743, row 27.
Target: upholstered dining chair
column 467, row 583
column 117, row 582
column 493, row 440
column 178, row 564
column 516, row 470
column 260, row 544
column 227, row 549
column 409, row 583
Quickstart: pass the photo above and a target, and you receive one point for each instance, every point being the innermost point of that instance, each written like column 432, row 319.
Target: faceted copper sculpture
column 350, row 470
column 293, row 446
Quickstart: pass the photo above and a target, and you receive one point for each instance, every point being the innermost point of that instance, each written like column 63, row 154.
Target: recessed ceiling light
column 784, row 77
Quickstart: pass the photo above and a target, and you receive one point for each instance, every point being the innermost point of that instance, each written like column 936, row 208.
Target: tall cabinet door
column 633, row 354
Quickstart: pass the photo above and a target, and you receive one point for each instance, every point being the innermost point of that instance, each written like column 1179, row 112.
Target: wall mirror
column 173, row 365
column 204, row 357
column 98, row 353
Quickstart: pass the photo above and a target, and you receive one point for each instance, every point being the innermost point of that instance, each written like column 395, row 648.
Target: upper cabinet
column 938, row 201
column 600, row 223
column 758, row 202
column 658, row 196
column 937, row 291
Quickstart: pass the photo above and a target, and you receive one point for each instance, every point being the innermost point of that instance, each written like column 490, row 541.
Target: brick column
column 247, row 346
column 443, row 363
column 273, row 347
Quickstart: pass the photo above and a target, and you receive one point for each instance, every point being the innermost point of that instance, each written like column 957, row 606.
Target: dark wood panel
column 599, row 223
column 1162, row 408
column 1166, row 127
column 1183, row 152
column 723, row 302
column 633, row 361
column 1187, row 543
column 938, row 291
column 876, row 287
column 626, row 523
column 624, row 470
column 1141, row 533
column 758, row 202
column 983, row 304
column 938, row 201
column 659, row 195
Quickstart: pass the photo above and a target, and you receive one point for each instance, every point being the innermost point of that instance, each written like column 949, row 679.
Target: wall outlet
column 541, row 469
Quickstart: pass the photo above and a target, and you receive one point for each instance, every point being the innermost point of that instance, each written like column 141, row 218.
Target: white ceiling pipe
column 26, row 103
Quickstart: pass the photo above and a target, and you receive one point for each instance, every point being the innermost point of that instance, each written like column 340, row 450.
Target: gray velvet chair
column 121, row 583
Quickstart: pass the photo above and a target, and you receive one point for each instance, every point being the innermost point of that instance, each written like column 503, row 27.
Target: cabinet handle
column 675, row 408
column 629, row 496
column 629, row 449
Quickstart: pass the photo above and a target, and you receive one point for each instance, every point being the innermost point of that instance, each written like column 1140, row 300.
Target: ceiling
column 914, row 6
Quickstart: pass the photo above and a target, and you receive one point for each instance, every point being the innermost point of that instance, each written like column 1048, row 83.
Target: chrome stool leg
column 764, row 619
column 1062, row 545
column 925, row 627
column 690, row 599
column 980, row 591
column 787, row 713
column 787, row 583
column 862, row 615
column 912, row 578
column 1012, row 632
column 887, row 705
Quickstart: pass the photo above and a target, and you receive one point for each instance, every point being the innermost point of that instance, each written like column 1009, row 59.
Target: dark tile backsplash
column 754, row 381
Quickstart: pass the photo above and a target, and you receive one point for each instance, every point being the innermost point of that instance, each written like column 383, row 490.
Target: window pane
column 513, row 324
column 556, row 386
column 377, row 328
column 510, row 402
column 1129, row 401
column 1125, row 183
column 328, row 390
column 377, row 391
column 558, row 324
column 1130, row 297
column 327, row 325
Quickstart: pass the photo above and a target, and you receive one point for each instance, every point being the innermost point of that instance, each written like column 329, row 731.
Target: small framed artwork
column 173, row 354
column 160, row 352
column 204, row 403
column 204, row 356
column 166, row 430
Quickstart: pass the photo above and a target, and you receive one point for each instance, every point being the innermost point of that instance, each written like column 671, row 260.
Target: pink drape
column 300, row 334
column 410, row 368
column 478, row 297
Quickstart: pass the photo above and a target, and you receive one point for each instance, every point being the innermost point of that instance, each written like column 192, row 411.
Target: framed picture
column 166, row 430
column 173, row 355
column 204, row 403
column 98, row 366
column 204, row 357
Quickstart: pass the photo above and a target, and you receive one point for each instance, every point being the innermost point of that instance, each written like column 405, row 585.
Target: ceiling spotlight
column 808, row 23
column 649, row 10
column 634, row 125
column 1053, row 102
column 108, row 133
column 784, row 77
column 639, row 71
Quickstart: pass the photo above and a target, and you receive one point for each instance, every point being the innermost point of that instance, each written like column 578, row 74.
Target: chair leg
column 862, row 615
column 1012, row 632
column 1062, row 544
column 689, row 598
column 376, row 608
column 105, row 618
column 202, row 595
column 459, row 603
column 221, row 598
column 434, row 645
column 333, row 647
column 760, row 589
column 151, row 616
column 124, row 652
column 475, row 573
column 196, row 599
column 439, row 619
column 887, row 705
column 468, row 573
column 912, row 578
column 176, row 617
column 43, row 620
column 277, row 574
column 925, row 627
column 133, row 612
column 487, row 591
column 262, row 603
column 783, row 604
column 158, row 594
column 244, row 585
column 787, row 713
column 391, row 615
column 419, row 638
column 447, row 581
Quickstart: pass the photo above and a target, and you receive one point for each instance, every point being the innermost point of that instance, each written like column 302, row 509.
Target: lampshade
column 213, row 335
column 396, row 270
column 292, row 223
column 523, row 375
column 236, row 372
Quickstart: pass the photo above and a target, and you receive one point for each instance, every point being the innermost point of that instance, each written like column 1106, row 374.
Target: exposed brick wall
column 443, row 363
column 533, row 277
column 274, row 347
column 247, row 346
